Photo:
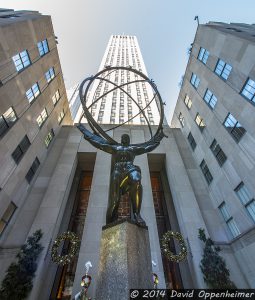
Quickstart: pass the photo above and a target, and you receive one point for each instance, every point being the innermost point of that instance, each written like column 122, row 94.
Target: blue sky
column 164, row 28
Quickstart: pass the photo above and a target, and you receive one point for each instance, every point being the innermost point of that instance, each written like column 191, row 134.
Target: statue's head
column 125, row 140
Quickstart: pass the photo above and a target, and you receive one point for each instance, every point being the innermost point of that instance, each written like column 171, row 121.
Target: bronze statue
column 126, row 177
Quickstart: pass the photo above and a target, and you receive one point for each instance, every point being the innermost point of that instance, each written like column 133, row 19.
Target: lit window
column 21, row 149
column 56, row 97
column 229, row 220
column 49, row 138
column 61, row 116
column 246, row 199
column 7, row 120
column 50, row 74
column 210, row 98
column 248, row 90
column 203, row 55
column 223, row 69
column 192, row 141
column 21, row 60
column 42, row 118
column 194, row 80
column 234, row 127
column 43, row 47
column 200, row 122
column 218, row 152
column 33, row 92
column 207, row 174
column 188, row 101
column 181, row 119
column 31, row 172
column 6, row 217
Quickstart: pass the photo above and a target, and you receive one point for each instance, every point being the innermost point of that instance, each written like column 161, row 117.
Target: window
column 7, row 120
column 200, row 122
column 192, row 141
column 56, row 97
column 21, row 149
column 5, row 219
column 206, row 172
column 33, row 92
column 203, row 55
column 229, row 220
column 248, row 90
column 218, row 153
column 181, row 119
column 61, row 116
column 194, row 80
column 210, row 98
column 188, row 101
column 43, row 47
column 50, row 74
column 42, row 118
column 246, row 199
column 31, row 172
column 21, row 60
column 223, row 69
column 49, row 138
column 234, row 127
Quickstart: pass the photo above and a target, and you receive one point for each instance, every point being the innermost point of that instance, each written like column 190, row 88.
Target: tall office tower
column 215, row 111
column 117, row 107
column 33, row 106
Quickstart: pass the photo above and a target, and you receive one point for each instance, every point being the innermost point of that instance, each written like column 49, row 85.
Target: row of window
column 34, row 91
column 223, row 70
column 22, row 59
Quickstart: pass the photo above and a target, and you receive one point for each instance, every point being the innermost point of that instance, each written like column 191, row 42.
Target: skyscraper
column 117, row 107
column 215, row 111
column 33, row 106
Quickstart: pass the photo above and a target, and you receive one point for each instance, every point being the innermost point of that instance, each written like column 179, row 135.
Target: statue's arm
column 148, row 147
column 96, row 140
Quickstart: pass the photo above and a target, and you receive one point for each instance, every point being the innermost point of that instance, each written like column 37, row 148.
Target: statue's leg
column 114, row 200
column 136, row 193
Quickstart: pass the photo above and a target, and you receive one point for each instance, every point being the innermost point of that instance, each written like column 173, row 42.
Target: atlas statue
column 126, row 176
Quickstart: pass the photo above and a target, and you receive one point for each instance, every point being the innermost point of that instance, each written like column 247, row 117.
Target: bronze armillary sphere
column 126, row 177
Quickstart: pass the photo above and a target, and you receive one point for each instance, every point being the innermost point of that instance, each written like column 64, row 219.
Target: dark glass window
column 6, row 217
column 31, row 172
column 192, row 141
column 246, row 199
column 203, row 55
column 229, row 220
column 43, row 47
column 248, row 90
column 218, row 152
column 223, row 69
column 21, row 149
column 33, row 92
column 194, row 80
column 234, row 127
column 21, row 60
column 50, row 74
column 206, row 172
column 200, row 122
column 7, row 120
column 210, row 98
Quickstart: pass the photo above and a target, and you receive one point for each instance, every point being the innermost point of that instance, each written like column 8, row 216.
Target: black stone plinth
column 125, row 261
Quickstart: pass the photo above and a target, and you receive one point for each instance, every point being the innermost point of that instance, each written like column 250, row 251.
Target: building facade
column 118, row 107
column 215, row 111
column 33, row 106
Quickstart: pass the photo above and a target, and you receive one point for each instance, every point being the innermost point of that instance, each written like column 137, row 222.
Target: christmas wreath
column 65, row 259
column 165, row 247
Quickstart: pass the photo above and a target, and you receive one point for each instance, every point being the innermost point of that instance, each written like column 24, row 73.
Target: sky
column 164, row 28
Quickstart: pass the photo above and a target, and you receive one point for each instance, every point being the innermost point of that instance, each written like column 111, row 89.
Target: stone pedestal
column 125, row 261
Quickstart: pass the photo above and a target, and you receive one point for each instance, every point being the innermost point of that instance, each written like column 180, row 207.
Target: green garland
column 65, row 259
column 165, row 247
